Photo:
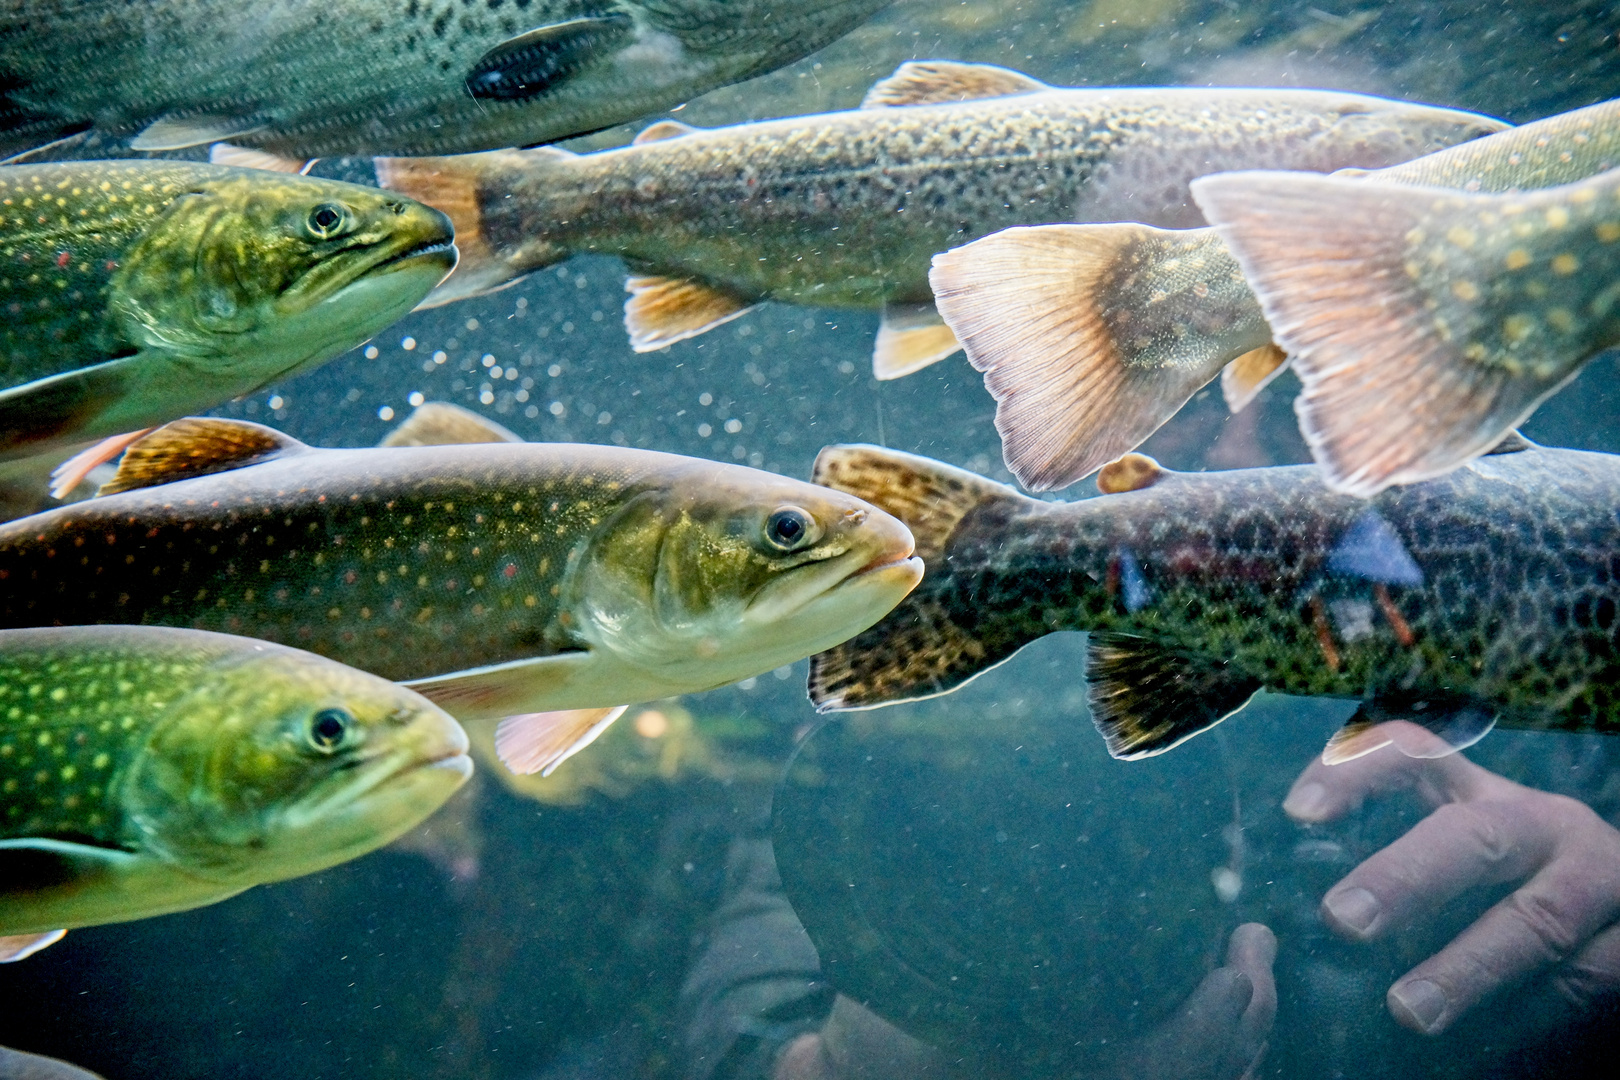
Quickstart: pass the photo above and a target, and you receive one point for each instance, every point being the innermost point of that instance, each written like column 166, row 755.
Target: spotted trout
column 303, row 78
column 137, row 292
column 845, row 209
column 147, row 770
column 1485, row 596
column 544, row 582
column 1424, row 323
column 1090, row 337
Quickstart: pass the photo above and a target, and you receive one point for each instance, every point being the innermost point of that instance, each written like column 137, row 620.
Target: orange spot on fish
column 63, row 258
column 1324, row 634
column 1403, row 632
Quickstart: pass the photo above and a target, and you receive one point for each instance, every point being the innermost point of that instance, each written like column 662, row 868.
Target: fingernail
column 1308, row 802
column 1354, row 909
column 1422, row 1002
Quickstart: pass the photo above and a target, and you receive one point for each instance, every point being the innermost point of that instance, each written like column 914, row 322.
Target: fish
column 1091, row 337
column 18, row 1065
column 292, row 79
column 845, row 209
column 543, row 585
column 149, row 770
column 1424, row 323
column 135, row 293
column 1484, row 597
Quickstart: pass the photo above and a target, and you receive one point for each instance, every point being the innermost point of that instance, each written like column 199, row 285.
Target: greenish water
column 546, row 931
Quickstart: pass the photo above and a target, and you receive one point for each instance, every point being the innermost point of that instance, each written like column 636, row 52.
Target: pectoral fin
column 911, row 337
column 932, row 82
column 663, row 129
column 439, row 423
column 76, row 469
column 245, row 157
column 1146, row 698
column 32, row 864
column 528, row 65
column 179, row 132
column 1244, row 378
column 61, row 408
column 1450, row 726
column 197, row 446
column 664, row 310
column 501, row 690
column 539, row 742
column 16, row 947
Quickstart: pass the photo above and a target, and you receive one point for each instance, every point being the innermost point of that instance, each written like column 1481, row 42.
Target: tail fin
column 464, row 187
column 1092, row 336
column 933, row 641
column 1391, row 392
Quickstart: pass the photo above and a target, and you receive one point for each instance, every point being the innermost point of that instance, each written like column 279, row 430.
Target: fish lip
column 421, row 251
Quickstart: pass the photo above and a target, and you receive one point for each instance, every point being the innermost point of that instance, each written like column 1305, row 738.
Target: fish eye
column 327, row 220
column 328, row 728
column 790, row 528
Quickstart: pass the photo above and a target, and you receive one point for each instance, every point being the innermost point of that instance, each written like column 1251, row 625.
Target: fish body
column 1485, row 595
column 136, row 292
column 501, row 579
column 147, row 770
column 845, row 209
column 1091, row 337
column 304, row 78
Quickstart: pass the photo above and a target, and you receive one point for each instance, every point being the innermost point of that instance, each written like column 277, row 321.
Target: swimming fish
column 845, row 209
column 1092, row 336
column 1486, row 596
column 148, row 770
column 503, row 579
column 1424, row 323
column 299, row 79
column 137, row 292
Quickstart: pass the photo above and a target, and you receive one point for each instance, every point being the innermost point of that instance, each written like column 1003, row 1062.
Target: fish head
column 276, row 271
column 1372, row 133
column 278, row 763
column 730, row 572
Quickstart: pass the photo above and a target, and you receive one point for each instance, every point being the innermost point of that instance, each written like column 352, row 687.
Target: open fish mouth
column 424, row 252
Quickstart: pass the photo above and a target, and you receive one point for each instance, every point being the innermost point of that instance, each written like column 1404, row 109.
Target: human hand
column 1559, row 925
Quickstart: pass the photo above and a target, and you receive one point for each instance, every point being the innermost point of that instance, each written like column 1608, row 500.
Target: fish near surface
column 1485, row 596
column 137, row 292
column 1424, row 323
column 1092, row 336
column 149, row 770
column 303, row 78
column 499, row 579
column 845, row 209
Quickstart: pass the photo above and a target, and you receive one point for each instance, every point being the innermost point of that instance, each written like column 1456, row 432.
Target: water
column 974, row 869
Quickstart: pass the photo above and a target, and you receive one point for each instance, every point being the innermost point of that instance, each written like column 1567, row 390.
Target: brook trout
column 845, row 209
column 1485, row 596
column 1090, row 337
column 303, row 78
column 136, row 292
column 147, row 770
column 499, row 579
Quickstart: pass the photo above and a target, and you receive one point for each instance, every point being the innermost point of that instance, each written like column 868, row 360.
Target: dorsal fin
column 1133, row 472
column 937, row 82
column 439, row 423
column 930, row 497
column 197, row 446
column 663, row 129
column 1511, row 443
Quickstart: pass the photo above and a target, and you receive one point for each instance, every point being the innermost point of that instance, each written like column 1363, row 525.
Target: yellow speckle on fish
column 1465, row 291
column 59, row 694
column 1565, row 264
column 1557, row 217
column 1608, row 231
column 101, row 761
column 1461, row 237
column 1560, row 319
column 69, row 772
column 1517, row 327
column 1517, row 259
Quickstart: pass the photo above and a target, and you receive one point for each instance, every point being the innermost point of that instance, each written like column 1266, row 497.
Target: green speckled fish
column 145, row 770
column 135, row 292
column 305, row 78
column 1488, row 595
column 1424, row 323
column 845, row 209
column 1092, row 336
column 501, row 579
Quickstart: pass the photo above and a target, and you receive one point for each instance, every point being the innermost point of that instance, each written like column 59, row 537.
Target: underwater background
column 545, row 928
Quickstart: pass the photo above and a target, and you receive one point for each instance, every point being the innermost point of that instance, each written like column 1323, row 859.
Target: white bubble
column 440, row 357
column 276, row 402
column 532, row 411
column 416, row 398
column 407, row 344
column 371, row 352
column 733, row 426
column 488, row 360
column 385, row 413
column 486, row 398
column 471, row 324
column 554, row 370
column 557, row 408
column 705, row 398
column 604, row 417
column 497, row 372
column 704, row 431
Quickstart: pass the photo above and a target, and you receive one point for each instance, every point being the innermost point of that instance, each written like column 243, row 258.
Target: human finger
column 1325, row 792
column 1252, row 950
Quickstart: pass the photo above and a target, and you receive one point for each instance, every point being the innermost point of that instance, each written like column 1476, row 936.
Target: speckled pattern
column 1262, row 569
column 380, row 76
column 845, row 209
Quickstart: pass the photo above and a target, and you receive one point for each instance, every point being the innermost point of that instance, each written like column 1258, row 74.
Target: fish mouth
column 437, row 251
column 890, row 566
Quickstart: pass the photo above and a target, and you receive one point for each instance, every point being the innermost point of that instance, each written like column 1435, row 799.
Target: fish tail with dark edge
column 1391, row 393
column 464, row 188
column 1092, row 336
column 939, row 636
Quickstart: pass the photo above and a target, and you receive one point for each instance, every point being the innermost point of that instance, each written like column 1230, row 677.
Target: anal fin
column 1420, row 729
column 197, row 129
column 911, row 337
column 664, row 310
column 934, row 82
column 14, row 947
column 1147, row 698
column 500, row 690
column 539, row 742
